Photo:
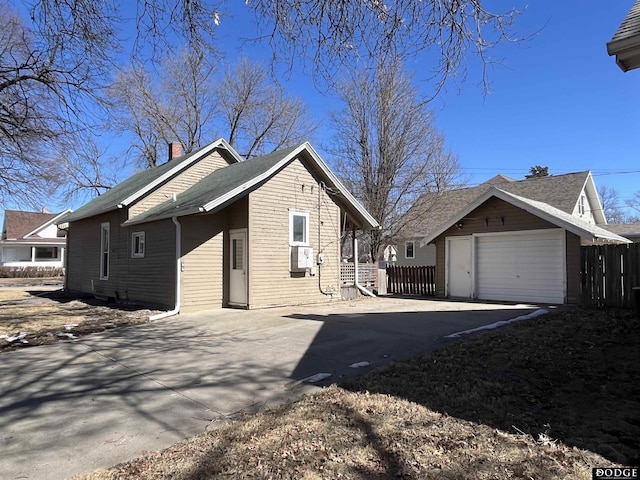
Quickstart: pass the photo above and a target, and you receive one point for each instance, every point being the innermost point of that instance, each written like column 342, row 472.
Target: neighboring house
column 511, row 240
column 630, row 231
column 208, row 229
column 32, row 239
column 625, row 44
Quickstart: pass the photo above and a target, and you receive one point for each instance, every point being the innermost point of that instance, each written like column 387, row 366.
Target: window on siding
column 298, row 228
column 410, row 249
column 104, row 251
column 581, row 205
column 137, row 245
column 237, row 254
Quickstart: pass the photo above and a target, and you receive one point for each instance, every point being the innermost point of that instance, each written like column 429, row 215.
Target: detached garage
column 509, row 248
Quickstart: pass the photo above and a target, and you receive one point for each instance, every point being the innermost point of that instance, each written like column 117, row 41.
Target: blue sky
column 557, row 100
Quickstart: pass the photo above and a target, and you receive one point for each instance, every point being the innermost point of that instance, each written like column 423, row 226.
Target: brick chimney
column 175, row 150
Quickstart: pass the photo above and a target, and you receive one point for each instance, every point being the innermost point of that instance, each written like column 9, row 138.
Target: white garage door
column 521, row 267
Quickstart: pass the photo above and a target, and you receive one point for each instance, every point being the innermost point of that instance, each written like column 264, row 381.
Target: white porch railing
column 367, row 274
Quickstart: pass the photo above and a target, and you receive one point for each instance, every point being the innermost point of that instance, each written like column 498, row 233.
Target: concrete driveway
column 72, row 407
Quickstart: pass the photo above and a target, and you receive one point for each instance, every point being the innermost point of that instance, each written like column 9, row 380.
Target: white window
column 581, row 205
column 298, row 228
column 137, row 245
column 410, row 249
column 104, row 251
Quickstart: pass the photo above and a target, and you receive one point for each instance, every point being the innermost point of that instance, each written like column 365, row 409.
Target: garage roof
column 540, row 209
column 559, row 191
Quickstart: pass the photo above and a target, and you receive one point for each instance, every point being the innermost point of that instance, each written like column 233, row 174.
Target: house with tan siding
column 509, row 240
column 209, row 229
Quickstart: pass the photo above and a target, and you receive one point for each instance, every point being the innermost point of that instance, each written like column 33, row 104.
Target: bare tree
column 386, row 148
column 88, row 169
column 634, row 204
column 610, row 200
column 189, row 103
column 162, row 27
column 44, row 83
column 339, row 34
column 52, row 71
column 330, row 34
column 180, row 106
column 257, row 114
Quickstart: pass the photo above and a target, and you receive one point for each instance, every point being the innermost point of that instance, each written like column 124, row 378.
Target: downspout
column 355, row 263
column 65, row 264
column 176, row 309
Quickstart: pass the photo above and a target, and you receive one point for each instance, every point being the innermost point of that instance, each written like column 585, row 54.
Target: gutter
column 355, row 263
column 176, row 309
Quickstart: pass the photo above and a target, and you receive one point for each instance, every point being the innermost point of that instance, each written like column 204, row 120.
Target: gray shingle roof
column 138, row 182
column 110, row 199
column 625, row 229
column 540, row 209
column 567, row 220
column 625, row 44
column 630, row 26
column 213, row 186
column 18, row 223
column 227, row 184
column 432, row 209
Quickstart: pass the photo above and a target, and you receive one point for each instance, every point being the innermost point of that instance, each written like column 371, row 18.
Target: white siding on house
column 425, row 255
column 583, row 209
column 51, row 231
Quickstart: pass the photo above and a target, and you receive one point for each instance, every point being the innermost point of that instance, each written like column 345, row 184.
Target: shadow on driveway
column 72, row 407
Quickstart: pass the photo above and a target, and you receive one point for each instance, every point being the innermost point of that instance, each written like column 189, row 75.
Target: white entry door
column 238, row 267
column 459, row 272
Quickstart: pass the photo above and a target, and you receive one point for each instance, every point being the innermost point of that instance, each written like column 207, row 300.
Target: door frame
column 234, row 233
column 472, row 273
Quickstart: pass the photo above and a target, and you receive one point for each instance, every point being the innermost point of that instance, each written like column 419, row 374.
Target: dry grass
column 47, row 317
column 570, row 376
column 13, row 295
column 340, row 434
column 567, row 381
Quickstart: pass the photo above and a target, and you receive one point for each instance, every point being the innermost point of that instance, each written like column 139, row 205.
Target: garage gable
column 496, row 215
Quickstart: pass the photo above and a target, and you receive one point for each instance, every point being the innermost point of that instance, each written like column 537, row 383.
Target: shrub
column 31, row 272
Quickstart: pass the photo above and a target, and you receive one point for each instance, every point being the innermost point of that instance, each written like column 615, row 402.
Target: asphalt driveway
column 72, row 407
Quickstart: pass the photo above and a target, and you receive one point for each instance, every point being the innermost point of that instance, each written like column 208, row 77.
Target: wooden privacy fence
column 419, row 280
column 609, row 272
